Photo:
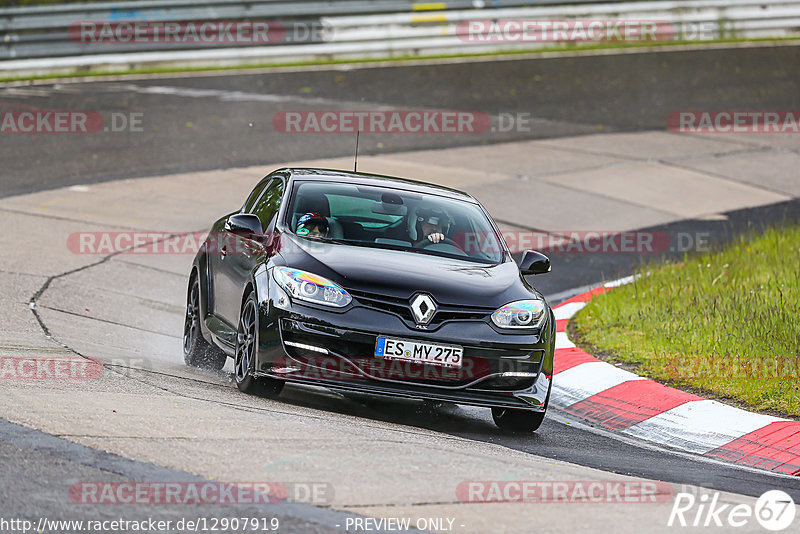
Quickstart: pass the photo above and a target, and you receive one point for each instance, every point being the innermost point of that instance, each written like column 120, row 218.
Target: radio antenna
column 355, row 162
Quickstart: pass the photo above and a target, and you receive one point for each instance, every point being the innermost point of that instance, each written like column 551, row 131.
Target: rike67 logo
column 774, row 510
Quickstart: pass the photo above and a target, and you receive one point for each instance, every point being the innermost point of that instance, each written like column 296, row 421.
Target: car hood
column 401, row 274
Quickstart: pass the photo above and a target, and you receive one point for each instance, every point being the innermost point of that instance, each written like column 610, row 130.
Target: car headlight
column 521, row 314
column 303, row 285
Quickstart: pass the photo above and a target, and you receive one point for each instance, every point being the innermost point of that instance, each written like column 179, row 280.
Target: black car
column 372, row 284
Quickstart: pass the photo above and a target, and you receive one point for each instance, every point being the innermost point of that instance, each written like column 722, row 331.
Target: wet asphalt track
column 225, row 121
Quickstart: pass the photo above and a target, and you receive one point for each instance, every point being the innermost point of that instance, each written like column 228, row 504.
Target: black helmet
column 432, row 214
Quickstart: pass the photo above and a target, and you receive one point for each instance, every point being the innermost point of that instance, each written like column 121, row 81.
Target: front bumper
column 335, row 349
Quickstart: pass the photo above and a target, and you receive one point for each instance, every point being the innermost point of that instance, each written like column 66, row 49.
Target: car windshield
column 394, row 219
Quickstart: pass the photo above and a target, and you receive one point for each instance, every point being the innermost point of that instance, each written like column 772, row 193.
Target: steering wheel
column 446, row 241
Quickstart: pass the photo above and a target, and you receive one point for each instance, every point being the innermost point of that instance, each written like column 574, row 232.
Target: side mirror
column 534, row 263
column 244, row 223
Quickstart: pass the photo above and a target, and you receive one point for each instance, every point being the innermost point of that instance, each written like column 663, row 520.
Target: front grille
column 401, row 307
column 389, row 304
column 359, row 351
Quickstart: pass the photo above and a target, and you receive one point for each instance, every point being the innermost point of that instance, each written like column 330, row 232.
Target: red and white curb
column 619, row 400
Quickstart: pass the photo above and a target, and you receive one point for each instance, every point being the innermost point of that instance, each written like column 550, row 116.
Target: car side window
column 267, row 206
column 255, row 194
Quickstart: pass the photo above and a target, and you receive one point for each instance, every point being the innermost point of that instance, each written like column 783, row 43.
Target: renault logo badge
column 423, row 308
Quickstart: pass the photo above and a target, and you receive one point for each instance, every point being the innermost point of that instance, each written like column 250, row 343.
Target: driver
column 432, row 224
column 312, row 225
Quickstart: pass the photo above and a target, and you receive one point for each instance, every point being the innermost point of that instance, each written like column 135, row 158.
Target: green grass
column 400, row 59
column 725, row 323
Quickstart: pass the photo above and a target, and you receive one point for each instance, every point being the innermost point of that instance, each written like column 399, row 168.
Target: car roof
column 378, row 180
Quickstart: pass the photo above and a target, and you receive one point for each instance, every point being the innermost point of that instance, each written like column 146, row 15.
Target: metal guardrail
column 61, row 15
column 42, row 31
column 41, row 38
column 685, row 20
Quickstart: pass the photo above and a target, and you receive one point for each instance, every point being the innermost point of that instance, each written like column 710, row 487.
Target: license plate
column 413, row 351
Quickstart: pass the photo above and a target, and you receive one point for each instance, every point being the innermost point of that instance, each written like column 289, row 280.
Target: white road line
column 26, row 91
column 234, row 96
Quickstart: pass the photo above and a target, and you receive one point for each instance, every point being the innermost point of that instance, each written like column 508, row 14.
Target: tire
column 511, row 420
column 198, row 352
column 246, row 347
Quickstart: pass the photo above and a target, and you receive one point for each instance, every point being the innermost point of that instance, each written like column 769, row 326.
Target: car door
column 239, row 254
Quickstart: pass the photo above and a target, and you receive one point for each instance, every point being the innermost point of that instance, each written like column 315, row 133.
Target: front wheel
column 511, row 420
column 246, row 348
